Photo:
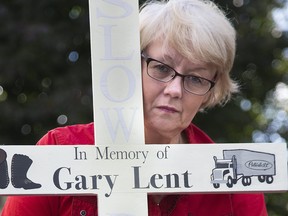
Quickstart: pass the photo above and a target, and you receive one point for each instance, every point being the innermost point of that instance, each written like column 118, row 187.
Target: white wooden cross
column 121, row 170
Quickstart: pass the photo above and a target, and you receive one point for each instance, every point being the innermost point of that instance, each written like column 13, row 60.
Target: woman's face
column 168, row 107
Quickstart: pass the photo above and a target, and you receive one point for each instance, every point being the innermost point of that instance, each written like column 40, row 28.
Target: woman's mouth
column 168, row 109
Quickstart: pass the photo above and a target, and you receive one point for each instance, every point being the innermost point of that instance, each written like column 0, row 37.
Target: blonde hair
column 199, row 31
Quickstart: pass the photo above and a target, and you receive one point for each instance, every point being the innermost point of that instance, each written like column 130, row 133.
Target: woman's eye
column 195, row 80
column 162, row 68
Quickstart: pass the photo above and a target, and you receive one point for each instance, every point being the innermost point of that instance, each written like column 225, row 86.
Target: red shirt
column 172, row 205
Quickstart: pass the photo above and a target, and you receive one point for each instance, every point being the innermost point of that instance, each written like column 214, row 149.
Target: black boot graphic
column 19, row 169
column 4, row 178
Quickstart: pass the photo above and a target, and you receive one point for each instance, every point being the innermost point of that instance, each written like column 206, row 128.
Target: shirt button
column 82, row 212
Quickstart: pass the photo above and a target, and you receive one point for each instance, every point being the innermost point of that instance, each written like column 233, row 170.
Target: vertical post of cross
column 117, row 89
column 116, row 72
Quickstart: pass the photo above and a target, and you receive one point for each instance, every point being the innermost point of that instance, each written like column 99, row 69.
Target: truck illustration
column 243, row 164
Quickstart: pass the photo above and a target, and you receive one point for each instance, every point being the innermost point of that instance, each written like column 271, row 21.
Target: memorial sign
column 120, row 169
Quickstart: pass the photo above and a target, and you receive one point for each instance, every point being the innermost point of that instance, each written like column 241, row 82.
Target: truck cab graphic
column 243, row 164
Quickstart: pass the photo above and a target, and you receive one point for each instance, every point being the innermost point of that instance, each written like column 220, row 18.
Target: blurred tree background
column 45, row 75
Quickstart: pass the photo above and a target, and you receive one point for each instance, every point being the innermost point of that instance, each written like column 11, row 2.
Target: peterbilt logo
column 258, row 165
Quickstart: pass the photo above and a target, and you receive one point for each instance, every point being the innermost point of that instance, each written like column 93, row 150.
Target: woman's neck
column 156, row 138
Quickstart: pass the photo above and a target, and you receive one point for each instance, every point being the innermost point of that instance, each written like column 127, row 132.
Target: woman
column 188, row 49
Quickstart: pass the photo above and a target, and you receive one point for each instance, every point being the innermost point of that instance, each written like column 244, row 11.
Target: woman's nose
column 174, row 87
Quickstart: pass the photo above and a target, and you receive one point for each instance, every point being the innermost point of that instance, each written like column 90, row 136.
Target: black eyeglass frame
column 149, row 59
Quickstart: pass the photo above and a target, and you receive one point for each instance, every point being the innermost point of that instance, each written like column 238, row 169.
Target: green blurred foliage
column 45, row 67
column 45, row 74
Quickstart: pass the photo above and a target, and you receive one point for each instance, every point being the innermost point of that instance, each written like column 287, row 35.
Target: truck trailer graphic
column 243, row 164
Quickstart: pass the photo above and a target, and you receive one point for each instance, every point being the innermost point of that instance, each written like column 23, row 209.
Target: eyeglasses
column 164, row 73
